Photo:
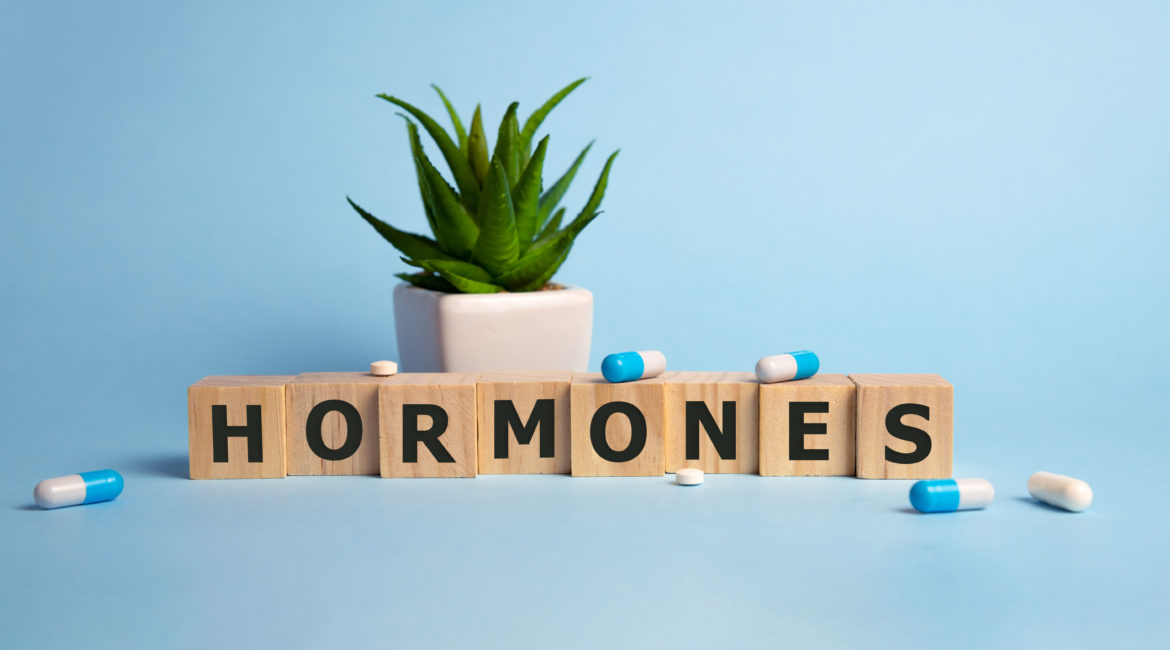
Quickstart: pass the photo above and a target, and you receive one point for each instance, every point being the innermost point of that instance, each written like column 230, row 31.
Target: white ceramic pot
column 454, row 332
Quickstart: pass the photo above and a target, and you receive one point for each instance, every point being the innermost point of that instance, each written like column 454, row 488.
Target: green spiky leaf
column 453, row 226
column 594, row 201
column 508, row 145
column 526, row 197
column 552, row 197
column 460, row 168
column 410, row 244
column 543, row 278
column 477, row 148
column 497, row 246
column 533, row 122
column 427, row 281
column 543, row 255
column 551, row 227
column 465, row 276
column 455, row 121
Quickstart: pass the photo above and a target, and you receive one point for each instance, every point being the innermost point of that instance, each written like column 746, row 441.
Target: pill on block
column 688, row 476
column 383, row 368
column 950, row 494
column 786, row 367
column 1061, row 491
column 78, row 489
column 631, row 366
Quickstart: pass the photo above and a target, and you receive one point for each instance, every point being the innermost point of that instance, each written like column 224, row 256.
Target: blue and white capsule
column 951, row 494
column 632, row 366
column 786, row 367
column 78, row 489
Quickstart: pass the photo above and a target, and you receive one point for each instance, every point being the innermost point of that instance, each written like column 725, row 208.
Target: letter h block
column 236, row 427
column 617, row 429
column 904, row 426
column 331, row 423
column 524, row 422
column 428, row 425
column 712, row 422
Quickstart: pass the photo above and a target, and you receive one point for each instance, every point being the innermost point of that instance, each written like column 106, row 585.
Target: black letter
column 353, row 430
column 798, row 429
column 637, row 432
column 411, row 436
column 908, row 433
column 543, row 415
column 220, row 431
column 724, row 441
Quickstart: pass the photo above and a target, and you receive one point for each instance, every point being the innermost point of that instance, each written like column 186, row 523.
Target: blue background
column 977, row 189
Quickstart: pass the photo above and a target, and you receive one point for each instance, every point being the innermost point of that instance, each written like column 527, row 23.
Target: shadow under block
column 331, row 423
column 617, row 429
column 235, row 427
column 905, row 426
column 808, row 427
column 712, row 422
column 524, row 422
column 428, row 425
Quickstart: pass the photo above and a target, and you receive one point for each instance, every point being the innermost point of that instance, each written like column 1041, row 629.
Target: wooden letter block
column 712, row 422
column 808, row 427
column 428, row 425
column 235, row 427
column 331, row 423
column 524, row 422
column 904, row 426
column 617, row 429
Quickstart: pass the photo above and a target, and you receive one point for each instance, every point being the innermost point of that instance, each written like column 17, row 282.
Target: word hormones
column 462, row 425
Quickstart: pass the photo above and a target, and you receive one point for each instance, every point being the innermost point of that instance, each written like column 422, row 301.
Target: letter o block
column 905, row 426
column 235, row 427
column 331, row 423
column 617, row 429
column 428, row 425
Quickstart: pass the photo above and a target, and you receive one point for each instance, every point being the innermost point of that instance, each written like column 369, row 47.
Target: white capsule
column 786, row 367
column 688, row 476
column 1060, row 491
column 383, row 368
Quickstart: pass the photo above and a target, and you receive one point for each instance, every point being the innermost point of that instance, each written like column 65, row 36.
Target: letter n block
column 617, row 429
column 331, row 423
column 712, row 422
column 524, row 422
column 428, row 425
column 904, row 426
column 808, row 427
column 235, row 426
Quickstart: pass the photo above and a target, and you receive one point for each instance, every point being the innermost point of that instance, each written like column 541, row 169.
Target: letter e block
column 428, row 425
column 235, row 426
column 712, row 421
column 808, row 427
column 331, row 423
column 524, row 422
column 618, row 429
column 904, row 426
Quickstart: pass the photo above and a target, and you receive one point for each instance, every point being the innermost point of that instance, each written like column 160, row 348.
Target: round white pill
column 383, row 368
column 689, row 476
column 1061, row 491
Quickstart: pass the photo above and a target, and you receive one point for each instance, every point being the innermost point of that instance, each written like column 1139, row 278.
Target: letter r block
column 904, row 426
column 524, row 422
column 808, row 427
column 712, row 422
column 331, row 423
column 235, row 427
column 617, row 429
column 428, row 425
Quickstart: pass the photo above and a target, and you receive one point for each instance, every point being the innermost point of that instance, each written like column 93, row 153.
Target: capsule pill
column 631, row 366
column 78, row 489
column 1061, row 491
column 949, row 494
column 786, row 367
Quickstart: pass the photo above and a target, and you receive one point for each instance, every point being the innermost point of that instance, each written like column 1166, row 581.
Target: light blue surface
column 936, row 495
column 979, row 190
column 622, row 366
column 807, row 364
column 102, row 485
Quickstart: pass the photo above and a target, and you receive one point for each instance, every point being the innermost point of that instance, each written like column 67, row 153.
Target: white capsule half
column 1061, row 491
column 688, row 476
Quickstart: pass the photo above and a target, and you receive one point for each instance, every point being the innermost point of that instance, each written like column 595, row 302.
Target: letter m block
column 236, row 427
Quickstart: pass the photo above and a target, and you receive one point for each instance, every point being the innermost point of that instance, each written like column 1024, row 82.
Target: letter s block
column 617, row 429
column 331, row 423
column 236, row 426
column 524, row 422
column 428, row 425
column 905, row 426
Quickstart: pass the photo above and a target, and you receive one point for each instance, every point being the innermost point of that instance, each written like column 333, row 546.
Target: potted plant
column 483, row 297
